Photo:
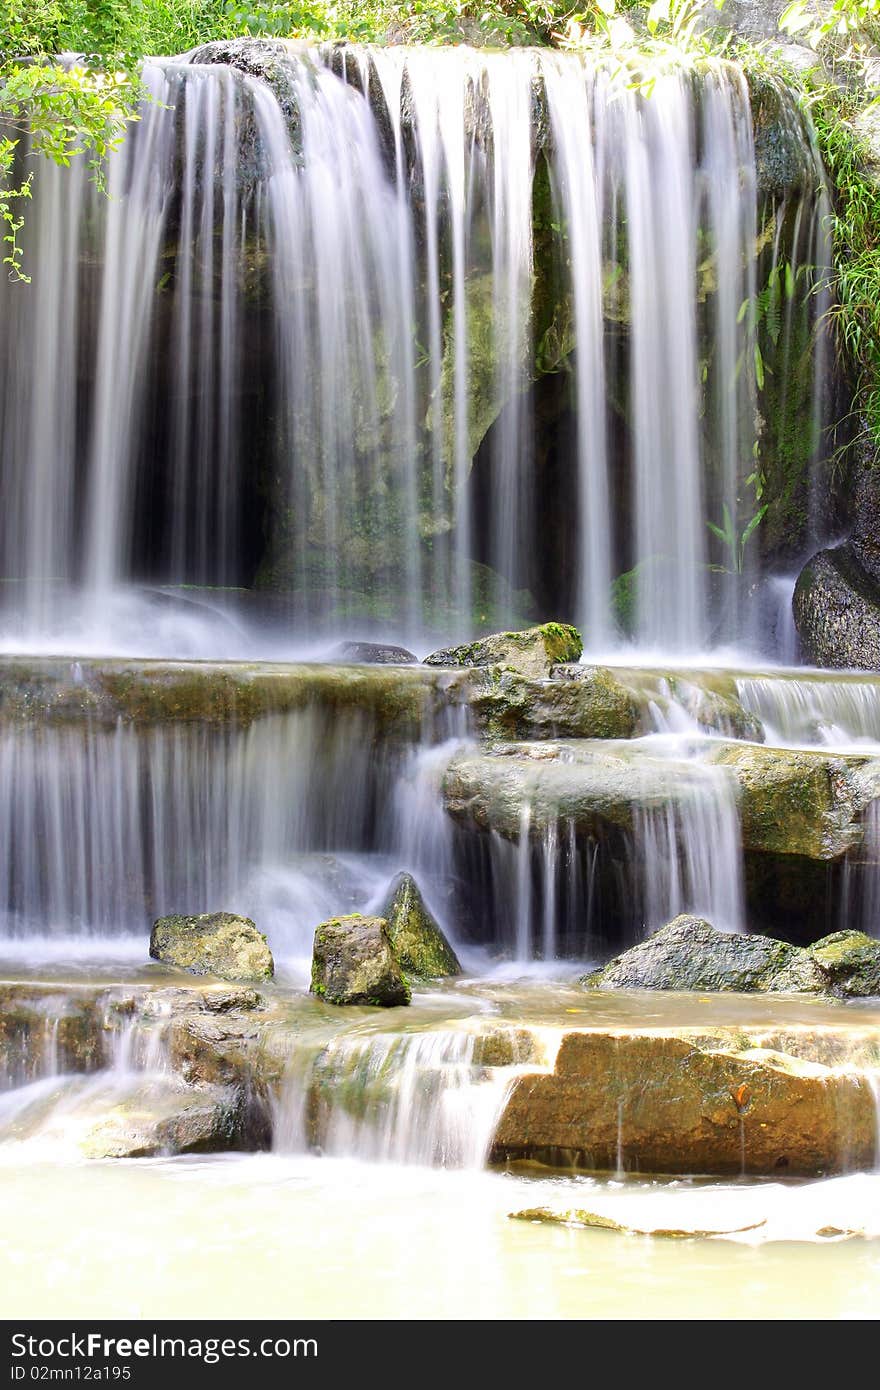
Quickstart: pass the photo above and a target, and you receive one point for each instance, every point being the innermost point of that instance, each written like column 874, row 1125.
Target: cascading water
column 405, row 1098
column 103, row 829
column 308, row 343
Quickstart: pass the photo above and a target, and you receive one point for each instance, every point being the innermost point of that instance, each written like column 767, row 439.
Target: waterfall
column 689, row 851
column 809, row 710
column 329, row 334
column 102, row 830
column 405, row 1098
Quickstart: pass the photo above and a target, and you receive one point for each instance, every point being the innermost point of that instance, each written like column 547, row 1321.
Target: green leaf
column 754, row 523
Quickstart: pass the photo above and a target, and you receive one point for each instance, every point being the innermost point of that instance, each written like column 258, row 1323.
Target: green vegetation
column 856, row 238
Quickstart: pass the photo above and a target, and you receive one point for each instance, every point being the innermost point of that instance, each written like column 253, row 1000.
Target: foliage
column 733, row 539
column 850, row 26
column 856, row 239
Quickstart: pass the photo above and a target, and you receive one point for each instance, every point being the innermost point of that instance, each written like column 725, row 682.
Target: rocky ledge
column 592, row 1084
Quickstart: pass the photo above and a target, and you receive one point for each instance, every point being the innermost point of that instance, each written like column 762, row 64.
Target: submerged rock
column 416, row 937
column 837, row 612
column 353, row 963
column 690, row 954
column 213, row 943
column 594, row 1220
column 681, row 1102
column 373, row 654
column 165, row 1117
column 531, row 653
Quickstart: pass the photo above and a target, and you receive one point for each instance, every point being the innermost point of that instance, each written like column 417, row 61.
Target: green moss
column 416, row 938
column 851, row 961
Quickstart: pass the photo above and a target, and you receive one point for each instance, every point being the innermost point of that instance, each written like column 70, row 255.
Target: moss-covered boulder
column 579, row 702
column 796, row 802
column 213, row 943
column 690, row 954
column 416, row 937
column 532, row 653
column 849, row 961
column 353, row 963
column 837, row 612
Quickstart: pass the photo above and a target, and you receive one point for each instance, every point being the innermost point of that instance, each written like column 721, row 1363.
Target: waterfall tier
column 432, row 339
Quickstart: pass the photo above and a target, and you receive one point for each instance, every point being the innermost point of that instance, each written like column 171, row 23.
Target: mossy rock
column 213, row 943
column 532, row 652
column 794, row 802
column 353, row 963
column 416, row 937
column 850, row 962
column 690, row 954
column 579, row 702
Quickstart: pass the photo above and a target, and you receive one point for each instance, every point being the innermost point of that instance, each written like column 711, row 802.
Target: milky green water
column 311, row 1237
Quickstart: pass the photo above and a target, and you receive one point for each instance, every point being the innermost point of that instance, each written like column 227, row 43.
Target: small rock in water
column 373, row 654
column 532, row 652
column 353, row 963
column 415, row 934
column 213, row 943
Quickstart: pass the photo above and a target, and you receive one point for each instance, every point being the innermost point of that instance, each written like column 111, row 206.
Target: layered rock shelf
column 581, row 1083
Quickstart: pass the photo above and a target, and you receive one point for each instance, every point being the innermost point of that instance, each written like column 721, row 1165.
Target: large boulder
column 793, row 802
column 213, row 943
column 837, row 612
column 669, row 1102
column 532, row 652
column 416, row 937
column 353, row 963
column 690, row 954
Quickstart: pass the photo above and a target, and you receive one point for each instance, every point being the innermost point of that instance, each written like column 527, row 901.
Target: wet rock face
column 531, row 653
column 837, row 612
column 416, row 937
column 673, row 1104
column 353, row 963
column 690, row 954
column 213, row 943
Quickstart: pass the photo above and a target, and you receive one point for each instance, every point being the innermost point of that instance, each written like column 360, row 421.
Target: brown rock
column 662, row 1103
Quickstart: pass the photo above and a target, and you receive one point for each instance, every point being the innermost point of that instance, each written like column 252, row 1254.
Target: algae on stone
column 850, row 963
column 690, row 954
column 417, row 940
column 353, row 963
column 213, row 943
column 531, row 653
